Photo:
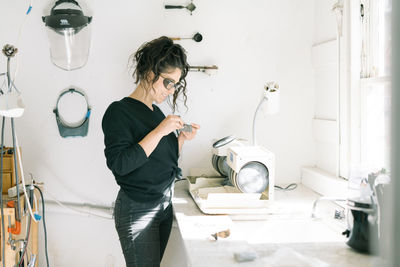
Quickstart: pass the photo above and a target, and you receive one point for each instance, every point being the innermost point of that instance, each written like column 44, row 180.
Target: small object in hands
column 245, row 256
column 9, row 50
column 186, row 128
column 222, row 234
column 189, row 7
column 197, row 37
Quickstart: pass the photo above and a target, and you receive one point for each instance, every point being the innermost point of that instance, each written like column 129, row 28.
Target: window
column 375, row 120
column 375, row 85
column 376, row 49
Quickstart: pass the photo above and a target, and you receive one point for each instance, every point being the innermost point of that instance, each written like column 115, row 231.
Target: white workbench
column 288, row 237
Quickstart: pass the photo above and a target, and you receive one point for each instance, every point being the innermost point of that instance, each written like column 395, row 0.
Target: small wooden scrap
column 222, row 234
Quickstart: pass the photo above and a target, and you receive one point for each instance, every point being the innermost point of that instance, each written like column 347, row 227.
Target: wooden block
column 10, row 256
column 9, row 178
column 7, row 182
column 7, row 163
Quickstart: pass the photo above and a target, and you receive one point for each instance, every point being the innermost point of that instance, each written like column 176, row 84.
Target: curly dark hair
column 159, row 56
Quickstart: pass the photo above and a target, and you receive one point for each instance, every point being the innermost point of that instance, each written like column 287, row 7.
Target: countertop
column 287, row 237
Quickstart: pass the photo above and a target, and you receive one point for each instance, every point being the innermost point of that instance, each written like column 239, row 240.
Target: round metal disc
column 214, row 162
column 232, row 175
column 253, row 178
column 223, row 166
column 224, row 141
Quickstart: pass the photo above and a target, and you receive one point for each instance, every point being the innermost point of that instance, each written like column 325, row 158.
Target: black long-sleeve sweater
column 125, row 123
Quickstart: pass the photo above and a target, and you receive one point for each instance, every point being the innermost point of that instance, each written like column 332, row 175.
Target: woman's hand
column 189, row 135
column 183, row 136
column 170, row 124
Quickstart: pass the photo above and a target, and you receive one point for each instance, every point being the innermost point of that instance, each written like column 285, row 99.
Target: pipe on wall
column 394, row 219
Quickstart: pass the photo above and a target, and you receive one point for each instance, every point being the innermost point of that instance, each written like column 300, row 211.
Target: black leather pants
column 143, row 228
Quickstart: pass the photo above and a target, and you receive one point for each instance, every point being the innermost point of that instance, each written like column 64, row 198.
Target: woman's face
column 166, row 80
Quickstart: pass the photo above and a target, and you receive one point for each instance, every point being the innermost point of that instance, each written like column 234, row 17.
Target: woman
column 142, row 151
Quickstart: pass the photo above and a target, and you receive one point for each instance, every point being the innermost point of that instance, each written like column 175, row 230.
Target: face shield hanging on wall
column 68, row 31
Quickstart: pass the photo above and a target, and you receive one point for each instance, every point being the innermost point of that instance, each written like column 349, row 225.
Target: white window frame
column 359, row 82
column 351, row 141
column 344, row 109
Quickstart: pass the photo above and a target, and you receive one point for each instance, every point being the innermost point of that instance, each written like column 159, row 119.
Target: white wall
column 251, row 44
column 325, row 21
column 325, row 66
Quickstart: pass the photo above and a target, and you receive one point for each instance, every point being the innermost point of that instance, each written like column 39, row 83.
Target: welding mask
column 79, row 128
column 68, row 31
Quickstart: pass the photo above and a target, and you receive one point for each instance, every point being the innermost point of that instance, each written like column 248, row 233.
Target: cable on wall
column 44, row 223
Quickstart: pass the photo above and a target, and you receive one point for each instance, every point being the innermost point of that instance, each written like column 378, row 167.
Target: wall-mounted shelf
column 205, row 69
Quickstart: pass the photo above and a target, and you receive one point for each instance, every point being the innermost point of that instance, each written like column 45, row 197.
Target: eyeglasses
column 169, row 84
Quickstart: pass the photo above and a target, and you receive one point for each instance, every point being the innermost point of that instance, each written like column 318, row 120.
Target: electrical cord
column 290, row 187
column 36, row 202
column 254, row 119
column 18, row 215
column 77, row 210
column 18, row 155
column 19, row 37
column 44, row 224
column 73, row 209
column 25, row 243
column 29, row 256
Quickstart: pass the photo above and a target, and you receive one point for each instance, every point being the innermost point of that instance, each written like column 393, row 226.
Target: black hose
column 1, row 190
column 44, row 224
